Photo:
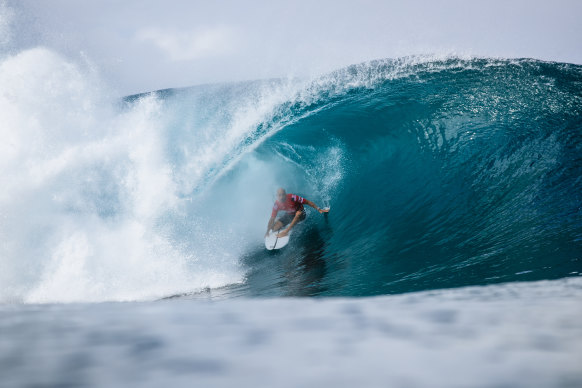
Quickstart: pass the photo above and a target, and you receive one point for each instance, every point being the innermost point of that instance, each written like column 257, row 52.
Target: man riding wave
column 292, row 204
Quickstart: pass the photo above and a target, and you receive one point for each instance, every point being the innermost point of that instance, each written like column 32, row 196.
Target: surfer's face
column 281, row 196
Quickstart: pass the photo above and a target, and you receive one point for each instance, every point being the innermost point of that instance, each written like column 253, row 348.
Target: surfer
column 292, row 204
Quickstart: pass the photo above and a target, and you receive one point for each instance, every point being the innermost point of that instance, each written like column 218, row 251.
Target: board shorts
column 288, row 217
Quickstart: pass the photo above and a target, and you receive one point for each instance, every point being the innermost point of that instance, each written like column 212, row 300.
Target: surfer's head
column 281, row 195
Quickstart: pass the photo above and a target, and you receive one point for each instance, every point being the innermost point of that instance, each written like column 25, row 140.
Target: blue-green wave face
column 439, row 173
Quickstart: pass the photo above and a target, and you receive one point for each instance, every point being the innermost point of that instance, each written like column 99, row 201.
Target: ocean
column 132, row 229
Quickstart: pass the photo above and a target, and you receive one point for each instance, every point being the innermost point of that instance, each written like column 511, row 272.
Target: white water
column 81, row 192
column 88, row 188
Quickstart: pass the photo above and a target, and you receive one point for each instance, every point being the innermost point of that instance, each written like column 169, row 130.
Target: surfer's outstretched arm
column 316, row 207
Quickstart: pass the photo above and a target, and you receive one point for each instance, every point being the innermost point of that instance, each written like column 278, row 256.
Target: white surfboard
column 274, row 242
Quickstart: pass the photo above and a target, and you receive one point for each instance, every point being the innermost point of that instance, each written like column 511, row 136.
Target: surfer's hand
column 283, row 233
column 326, row 210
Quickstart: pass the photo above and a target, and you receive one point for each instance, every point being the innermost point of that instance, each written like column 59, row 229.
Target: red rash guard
column 293, row 204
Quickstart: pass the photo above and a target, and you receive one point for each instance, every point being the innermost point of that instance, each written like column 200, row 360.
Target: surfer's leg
column 283, row 221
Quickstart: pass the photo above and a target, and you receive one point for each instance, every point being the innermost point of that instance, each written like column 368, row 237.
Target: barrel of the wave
column 466, row 174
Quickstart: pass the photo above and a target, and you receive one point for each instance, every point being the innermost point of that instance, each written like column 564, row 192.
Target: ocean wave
column 440, row 172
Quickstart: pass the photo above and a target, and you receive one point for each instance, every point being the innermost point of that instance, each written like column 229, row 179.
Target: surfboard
column 274, row 242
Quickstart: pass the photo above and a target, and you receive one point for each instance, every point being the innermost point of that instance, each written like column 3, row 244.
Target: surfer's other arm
column 308, row 202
